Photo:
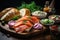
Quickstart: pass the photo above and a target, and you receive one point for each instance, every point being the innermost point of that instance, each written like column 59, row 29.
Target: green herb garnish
column 24, row 21
column 16, row 17
column 32, row 6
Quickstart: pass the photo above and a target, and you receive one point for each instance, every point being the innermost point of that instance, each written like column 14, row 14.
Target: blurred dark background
column 14, row 3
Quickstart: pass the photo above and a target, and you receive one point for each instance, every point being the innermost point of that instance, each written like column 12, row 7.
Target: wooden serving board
column 34, row 32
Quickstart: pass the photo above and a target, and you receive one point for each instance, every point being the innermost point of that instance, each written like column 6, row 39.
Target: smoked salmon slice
column 34, row 19
column 21, row 28
column 18, row 24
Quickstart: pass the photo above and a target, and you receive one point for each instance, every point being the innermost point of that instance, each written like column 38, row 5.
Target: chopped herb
column 24, row 21
column 16, row 17
column 29, row 17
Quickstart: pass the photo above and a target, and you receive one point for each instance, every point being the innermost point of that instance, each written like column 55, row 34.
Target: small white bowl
column 39, row 14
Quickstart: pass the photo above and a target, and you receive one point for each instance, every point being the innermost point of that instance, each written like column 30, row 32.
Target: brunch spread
column 26, row 18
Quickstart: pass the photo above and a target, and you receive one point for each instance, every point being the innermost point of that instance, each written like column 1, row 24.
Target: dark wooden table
column 4, row 37
column 45, row 36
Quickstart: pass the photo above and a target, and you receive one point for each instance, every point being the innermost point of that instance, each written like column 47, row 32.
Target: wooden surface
column 45, row 36
column 4, row 37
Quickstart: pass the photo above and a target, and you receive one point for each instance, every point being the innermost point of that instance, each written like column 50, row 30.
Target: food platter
column 21, row 21
column 25, row 20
